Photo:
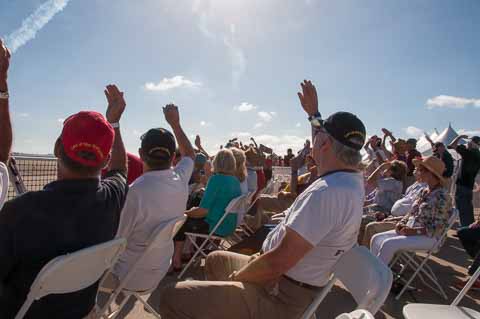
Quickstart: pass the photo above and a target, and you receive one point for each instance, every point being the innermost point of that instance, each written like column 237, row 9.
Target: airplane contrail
column 34, row 23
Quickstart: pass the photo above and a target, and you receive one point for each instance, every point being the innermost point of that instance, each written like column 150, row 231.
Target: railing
column 31, row 173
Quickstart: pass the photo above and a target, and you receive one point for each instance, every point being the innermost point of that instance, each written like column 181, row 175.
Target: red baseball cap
column 87, row 131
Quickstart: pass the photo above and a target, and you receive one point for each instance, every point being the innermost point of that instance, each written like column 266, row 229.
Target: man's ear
column 56, row 149
column 141, row 154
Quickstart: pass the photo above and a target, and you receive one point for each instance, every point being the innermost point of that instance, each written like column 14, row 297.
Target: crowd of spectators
column 395, row 199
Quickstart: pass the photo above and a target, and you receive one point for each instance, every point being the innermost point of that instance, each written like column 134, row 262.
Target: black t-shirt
column 470, row 166
column 36, row 227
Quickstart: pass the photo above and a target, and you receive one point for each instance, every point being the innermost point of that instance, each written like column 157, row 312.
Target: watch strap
column 4, row 95
column 115, row 125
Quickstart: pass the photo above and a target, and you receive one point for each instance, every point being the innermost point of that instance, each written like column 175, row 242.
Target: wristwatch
column 4, row 95
column 316, row 120
column 115, row 125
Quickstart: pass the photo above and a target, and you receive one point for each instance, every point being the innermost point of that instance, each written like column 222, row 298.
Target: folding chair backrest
column 73, row 272
column 466, row 288
column 450, row 223
column 4, row 183
column 239, row 206
column 165, row 232
column 366, row 278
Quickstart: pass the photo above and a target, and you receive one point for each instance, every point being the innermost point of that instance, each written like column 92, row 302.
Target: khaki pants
column 374, row 228
column 223, row 299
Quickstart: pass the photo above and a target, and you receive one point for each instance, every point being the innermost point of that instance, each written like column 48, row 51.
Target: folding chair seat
column 210, row 240
column 357, row 314
column 162, row 234
column 413, row 260
column 369, row 282
column 73, row 272
column 4, row 183
column 453, row 311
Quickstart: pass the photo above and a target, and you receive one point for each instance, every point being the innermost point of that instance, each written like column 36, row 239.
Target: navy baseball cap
column 347, row 129
column 158, row 143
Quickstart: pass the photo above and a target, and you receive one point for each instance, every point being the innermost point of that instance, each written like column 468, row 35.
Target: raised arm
column 429, row 140
column 5, row 122
column 457, row 139
column 116, row 106
column 198, row 144
column 373, row 178
column 172, row 116
column 309, row 100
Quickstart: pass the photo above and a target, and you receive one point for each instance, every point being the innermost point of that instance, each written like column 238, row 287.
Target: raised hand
column 198, row 142
column 4, row 60
column 308, row 97
column 171, row 115
column 116, row 103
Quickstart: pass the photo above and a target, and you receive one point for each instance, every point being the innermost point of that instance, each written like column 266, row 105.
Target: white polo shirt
column 328, row 216
column 153, row 198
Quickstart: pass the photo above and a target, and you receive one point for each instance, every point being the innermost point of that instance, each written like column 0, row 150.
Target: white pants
column 385, row 245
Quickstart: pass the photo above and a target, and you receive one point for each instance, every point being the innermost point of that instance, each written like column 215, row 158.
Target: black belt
column 302, row 284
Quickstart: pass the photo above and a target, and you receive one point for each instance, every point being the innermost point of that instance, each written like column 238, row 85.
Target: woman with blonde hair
column 241, row 169
column 222, row 187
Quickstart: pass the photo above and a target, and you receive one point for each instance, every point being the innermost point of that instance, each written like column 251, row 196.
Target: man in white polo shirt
column 299, row 254
column 159, row 195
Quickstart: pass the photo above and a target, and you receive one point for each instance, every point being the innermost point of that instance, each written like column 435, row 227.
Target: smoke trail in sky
column 34, row 23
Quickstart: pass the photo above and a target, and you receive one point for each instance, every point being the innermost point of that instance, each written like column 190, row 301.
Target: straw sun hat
column 434, row 165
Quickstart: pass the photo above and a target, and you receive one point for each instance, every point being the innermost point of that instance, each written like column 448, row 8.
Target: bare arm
column 309, row 100
column 373, row 178
column 172, row 116
column 270, row 266
column 197, row 212
column 5, row 122
column 198, row 144
column 116, row 106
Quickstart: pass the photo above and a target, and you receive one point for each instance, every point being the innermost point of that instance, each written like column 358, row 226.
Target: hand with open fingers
column 116, row 103
column 308, row 97
column 386, row 132
column 171, row 115
column 4, row 59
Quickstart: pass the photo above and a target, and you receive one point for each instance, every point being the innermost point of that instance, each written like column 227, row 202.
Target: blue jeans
column 463, row 200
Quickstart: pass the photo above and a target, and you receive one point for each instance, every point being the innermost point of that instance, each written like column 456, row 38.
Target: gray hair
column 345, row 154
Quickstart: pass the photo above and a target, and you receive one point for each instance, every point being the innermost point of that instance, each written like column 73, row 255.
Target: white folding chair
column 369, row 282
column 453, row 311
column 210, row 239
column 73, row 272
column 4, row 184
column 419, row 263
column 162, row 234
column 357, row 314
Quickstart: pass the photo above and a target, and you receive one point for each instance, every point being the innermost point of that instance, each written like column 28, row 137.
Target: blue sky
column 234, row 66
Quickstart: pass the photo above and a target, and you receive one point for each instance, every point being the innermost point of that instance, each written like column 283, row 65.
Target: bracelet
column 4, row 95
column 115, row 125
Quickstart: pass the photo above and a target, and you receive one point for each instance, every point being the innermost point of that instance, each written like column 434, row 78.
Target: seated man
column 299, row 254
column 426, row 222
column 399, row 209
column 75, row 212
column 159, row 195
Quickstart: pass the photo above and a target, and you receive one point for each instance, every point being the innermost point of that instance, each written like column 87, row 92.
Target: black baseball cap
column 347, row 129
column 476, row 140
column 158, row 143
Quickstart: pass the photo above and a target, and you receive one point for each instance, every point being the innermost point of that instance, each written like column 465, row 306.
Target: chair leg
column 114, row 314
column 147, row 305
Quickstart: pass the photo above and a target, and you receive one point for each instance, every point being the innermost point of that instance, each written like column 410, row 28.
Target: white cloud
column 298, row 124
column 413, row 131
column 34, row 23
column 454, row 102
column 245, row 107
column 469, row 132
column 258, row 125
column 136, row 133
column 166, row 84
column 240, row 134
column 23, row 114
column 205, row 124
column 280, row 144
column 60, row 120
column 266, row 116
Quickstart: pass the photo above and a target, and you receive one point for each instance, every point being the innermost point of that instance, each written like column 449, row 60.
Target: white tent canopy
column 445, row 137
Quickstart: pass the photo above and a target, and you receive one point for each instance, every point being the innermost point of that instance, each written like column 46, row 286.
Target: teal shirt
column 221, row 189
